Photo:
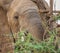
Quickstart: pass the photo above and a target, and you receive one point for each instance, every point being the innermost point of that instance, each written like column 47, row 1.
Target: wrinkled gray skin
column 28, row 16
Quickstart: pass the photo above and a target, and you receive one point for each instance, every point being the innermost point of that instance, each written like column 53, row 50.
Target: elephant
column 18, row 15
column 26, row 14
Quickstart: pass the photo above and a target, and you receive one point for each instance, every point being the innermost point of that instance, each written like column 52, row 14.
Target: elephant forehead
column 20, row 6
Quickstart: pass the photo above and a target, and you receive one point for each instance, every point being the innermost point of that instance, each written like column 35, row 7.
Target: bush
column 28, row 44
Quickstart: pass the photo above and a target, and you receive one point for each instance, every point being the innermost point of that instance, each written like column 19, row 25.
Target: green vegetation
column 57, row 17
column 28, row 44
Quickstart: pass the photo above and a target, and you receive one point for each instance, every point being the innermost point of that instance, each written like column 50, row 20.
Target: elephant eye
column 16, row 17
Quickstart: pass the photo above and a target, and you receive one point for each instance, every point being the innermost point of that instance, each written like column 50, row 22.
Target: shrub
column 28, row 44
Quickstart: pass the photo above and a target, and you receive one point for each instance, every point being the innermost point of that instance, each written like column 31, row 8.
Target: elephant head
column 26, row 12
